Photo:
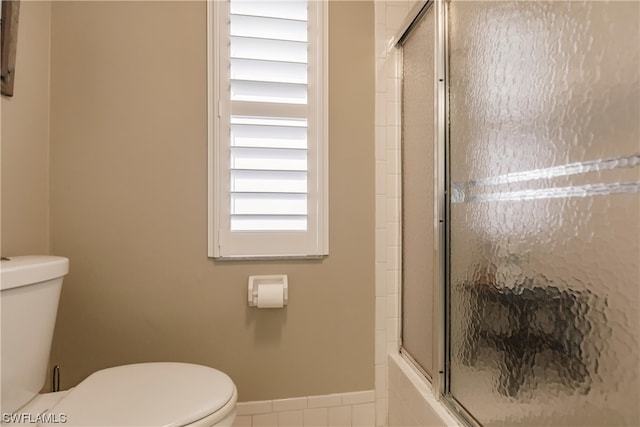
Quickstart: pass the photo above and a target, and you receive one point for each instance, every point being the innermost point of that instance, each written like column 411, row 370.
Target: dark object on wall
column 10, row 12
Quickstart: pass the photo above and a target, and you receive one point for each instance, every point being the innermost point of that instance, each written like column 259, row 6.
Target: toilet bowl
column 143, row 394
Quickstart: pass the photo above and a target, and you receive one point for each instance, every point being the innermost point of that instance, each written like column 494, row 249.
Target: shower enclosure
column 542, row 273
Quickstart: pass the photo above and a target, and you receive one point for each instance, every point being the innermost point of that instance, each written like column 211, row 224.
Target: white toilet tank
column 30, row 289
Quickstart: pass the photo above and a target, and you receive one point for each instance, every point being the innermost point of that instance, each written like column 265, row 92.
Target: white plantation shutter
column 268, row 154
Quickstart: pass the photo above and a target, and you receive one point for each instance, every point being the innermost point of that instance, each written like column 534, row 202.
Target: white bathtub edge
column 423, row 387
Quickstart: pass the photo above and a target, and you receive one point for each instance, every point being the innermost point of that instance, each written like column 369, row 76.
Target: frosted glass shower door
column 545, row 212
column 418, row 200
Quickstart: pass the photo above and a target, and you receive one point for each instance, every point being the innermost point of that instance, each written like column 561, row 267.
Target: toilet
column 144, row 394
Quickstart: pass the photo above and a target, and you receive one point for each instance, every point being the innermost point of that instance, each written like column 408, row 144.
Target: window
column 267, row 129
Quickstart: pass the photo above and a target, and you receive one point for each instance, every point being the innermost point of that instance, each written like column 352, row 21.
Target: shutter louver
column 268, row 120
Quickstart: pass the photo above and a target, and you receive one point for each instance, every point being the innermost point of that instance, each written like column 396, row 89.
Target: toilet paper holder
column 275, row 279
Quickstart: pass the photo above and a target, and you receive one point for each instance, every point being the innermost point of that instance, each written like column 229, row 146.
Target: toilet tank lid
column 29, row 269
column 148, row 394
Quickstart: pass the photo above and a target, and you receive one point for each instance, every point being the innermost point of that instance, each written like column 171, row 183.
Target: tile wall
column 332, row 410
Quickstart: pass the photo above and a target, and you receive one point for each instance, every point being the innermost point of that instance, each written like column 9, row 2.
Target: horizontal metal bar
column 557, row 171
column 458, row 196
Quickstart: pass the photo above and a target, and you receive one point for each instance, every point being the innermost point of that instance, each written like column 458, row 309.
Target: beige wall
column 25, row 139
column 129, row 208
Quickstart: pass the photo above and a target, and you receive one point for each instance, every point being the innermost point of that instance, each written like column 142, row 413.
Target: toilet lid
column 146, row 394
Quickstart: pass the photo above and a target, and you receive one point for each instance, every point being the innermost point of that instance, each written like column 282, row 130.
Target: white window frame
column 222, row 242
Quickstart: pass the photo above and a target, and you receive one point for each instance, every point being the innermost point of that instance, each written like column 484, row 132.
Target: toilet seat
column 149, row 394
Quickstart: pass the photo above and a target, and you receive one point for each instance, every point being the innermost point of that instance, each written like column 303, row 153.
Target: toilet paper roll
column 270, row 296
